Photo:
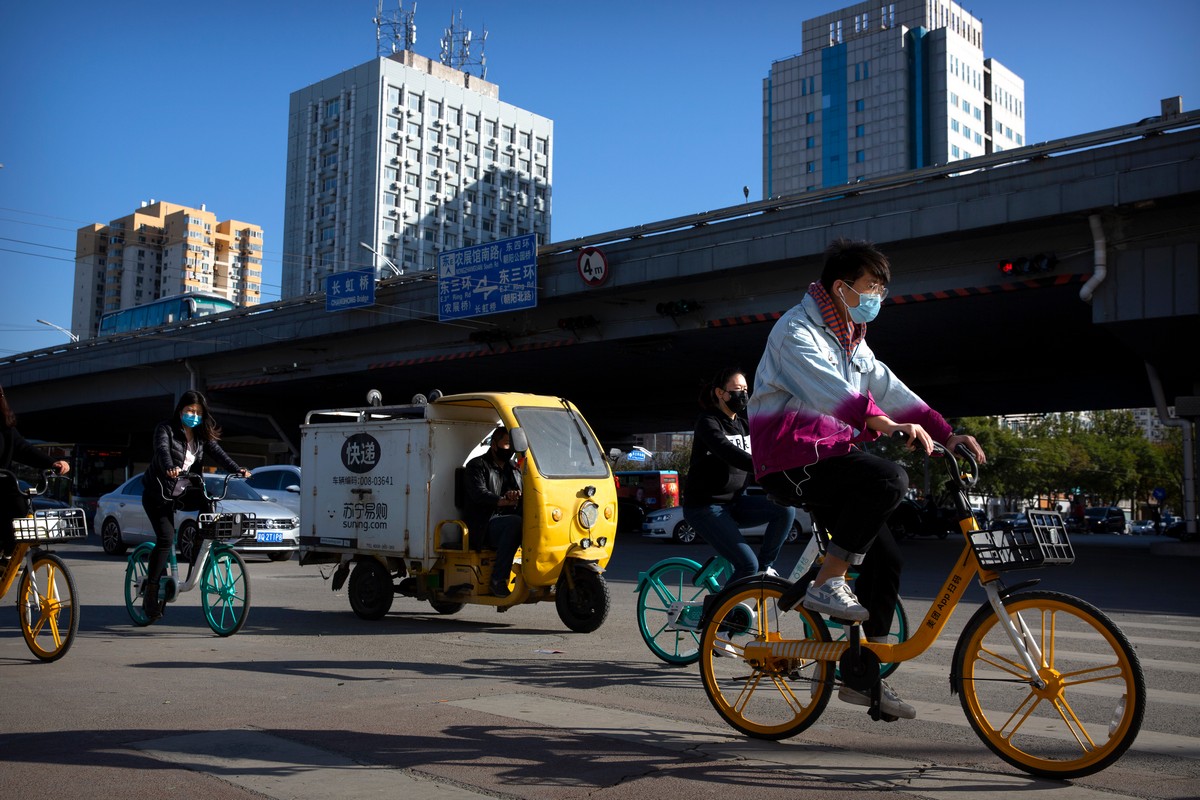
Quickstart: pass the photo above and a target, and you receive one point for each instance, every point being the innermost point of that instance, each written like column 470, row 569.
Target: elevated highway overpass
column 1119, row 210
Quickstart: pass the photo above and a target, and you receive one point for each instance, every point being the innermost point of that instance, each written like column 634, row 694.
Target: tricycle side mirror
column 518, row 439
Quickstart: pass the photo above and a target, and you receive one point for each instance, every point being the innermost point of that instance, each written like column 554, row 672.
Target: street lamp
column 386, row 260
column 74, row 338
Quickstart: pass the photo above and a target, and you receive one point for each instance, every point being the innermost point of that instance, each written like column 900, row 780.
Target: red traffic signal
column 1042, row 262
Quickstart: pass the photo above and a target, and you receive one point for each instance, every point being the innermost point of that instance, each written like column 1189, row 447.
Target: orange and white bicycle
column 46, row 601
column 1048, row 682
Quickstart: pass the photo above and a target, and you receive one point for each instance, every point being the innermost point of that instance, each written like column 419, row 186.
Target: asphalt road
column 309, row 702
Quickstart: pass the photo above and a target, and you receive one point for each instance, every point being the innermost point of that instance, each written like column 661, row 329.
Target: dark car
column 1105, row 519
column 1178, row 530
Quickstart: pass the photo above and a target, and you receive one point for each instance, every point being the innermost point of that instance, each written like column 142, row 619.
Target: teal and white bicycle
column 671, row 601
column 220, row 571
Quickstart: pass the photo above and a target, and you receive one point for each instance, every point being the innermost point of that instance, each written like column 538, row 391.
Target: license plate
column 270, row 538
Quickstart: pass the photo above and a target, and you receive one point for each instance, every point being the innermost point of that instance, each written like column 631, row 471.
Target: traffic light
column 676, row 308
column 1027, row 265
column 578, row 323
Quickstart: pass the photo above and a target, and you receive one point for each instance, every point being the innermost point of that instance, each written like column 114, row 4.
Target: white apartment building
column 881, row 88
column 405, row 157
column 160, row 250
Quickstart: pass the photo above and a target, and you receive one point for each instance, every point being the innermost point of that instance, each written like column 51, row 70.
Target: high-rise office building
column 160, row 250
column 401, row 158
column 882, row 88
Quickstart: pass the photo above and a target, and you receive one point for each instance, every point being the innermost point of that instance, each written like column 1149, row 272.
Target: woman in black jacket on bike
column 180, row 445
column 714, row 499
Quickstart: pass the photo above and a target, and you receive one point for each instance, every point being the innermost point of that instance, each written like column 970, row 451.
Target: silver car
column 123, row 522
column 280, row 482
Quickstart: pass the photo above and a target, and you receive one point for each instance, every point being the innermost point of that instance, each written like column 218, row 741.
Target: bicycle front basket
column 51, row 525
column 1044, row 543
column 228, row 527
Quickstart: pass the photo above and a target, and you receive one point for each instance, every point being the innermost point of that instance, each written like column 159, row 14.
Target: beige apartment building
column 162, row 250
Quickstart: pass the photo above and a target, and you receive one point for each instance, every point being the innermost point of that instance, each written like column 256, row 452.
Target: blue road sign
column 635, row 455
column 1160, row 493
column 345, row 290
column 488, row 278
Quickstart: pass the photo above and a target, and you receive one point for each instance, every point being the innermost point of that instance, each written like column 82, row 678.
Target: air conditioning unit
column 396, row 134
column 407, row 238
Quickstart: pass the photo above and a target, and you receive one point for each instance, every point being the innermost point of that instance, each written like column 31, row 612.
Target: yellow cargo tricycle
column 382, row 499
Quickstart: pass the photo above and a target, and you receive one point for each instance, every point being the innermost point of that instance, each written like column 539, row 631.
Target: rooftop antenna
column 395, row 31
column 457, row 43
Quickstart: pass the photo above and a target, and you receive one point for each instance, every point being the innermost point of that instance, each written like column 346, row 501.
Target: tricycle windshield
column 561, row 444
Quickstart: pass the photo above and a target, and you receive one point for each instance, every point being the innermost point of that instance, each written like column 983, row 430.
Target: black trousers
column 853, row 496
column 162, row 519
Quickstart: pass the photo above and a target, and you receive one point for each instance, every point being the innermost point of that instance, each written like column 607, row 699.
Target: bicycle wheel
column 896, row 634
column 668, row 582
column 225, row 591
column 46, row 601
column 1095, row 696
column 136, row 569
column 771, row 699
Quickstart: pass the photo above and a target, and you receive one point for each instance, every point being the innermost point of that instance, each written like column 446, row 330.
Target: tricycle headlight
column 589, row 513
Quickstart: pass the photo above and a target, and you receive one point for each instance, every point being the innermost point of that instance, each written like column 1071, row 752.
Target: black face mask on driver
column 738, row 401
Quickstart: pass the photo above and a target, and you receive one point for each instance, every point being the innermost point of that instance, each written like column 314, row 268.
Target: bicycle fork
column 1019, row 635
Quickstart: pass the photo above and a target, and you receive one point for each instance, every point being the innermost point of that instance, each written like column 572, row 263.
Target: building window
column 435, row 109
column 954, row 150
column 433, row 136
column 860, row 156
column 414, row 130
column 860, row 104
column 414, row 101
column 810, row 167
column 810, row 117
column 543, row 146
column 858, row 131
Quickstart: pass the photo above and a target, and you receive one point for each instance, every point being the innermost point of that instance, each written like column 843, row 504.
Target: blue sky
column 656, row 104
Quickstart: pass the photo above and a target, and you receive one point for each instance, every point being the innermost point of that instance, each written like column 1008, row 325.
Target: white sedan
column 668, row 523
column 122, row 521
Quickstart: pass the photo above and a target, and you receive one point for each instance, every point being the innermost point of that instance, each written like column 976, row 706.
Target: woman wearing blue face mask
column 180, row 445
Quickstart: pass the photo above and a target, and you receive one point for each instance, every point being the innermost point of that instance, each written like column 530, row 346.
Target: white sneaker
column 889, row 702
column 835, row 599
column 771, row 573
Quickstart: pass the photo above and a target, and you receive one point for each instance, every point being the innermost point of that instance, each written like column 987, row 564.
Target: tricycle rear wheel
column 584, row 608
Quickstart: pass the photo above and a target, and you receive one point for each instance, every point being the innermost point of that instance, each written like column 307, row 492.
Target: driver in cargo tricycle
column 400, row 518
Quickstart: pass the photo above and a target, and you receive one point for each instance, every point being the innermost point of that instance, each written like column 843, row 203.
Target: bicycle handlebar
column 42, row 485
column 197, row 479
column 963, row 479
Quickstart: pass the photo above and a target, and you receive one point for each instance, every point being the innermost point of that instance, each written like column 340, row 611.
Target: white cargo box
column 379, row 481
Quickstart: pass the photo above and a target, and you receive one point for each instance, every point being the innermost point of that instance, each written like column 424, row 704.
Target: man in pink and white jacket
column 818, row 391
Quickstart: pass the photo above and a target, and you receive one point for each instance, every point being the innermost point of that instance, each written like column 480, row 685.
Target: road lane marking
column 279, row 768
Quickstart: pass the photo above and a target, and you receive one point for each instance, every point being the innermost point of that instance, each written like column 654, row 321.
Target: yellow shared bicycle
column 1048, row 682
column 46, row 591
